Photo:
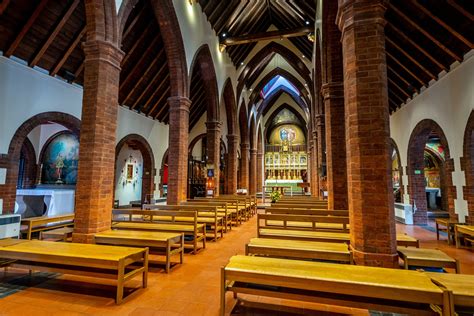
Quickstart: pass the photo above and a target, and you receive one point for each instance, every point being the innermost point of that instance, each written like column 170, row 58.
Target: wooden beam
column 400, row 99
column 159, row 102
column 78, row 72
column 132, row 24
column 146, row 52
column 147, row 103
column 421, row 49
column 461, row 9
column 425, row 33
column 278, row 34
column 150, row 84
column 68, row 52
column 55, row 32
column 443, row 24
column 402, row 79
column 4, row 6
column 406, row 69
column 395, row 105
column 26, row 28
column 134, row 46
column 398, row 87
column 413, row 60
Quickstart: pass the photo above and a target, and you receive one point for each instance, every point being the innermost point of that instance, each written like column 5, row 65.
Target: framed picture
column 130, row 172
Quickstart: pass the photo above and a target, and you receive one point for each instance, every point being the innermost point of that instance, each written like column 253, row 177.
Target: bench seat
column 298, row 249
column 321, row 226
column 402, row 240
column 399, row 291
column 462, row 286
column 41, row 223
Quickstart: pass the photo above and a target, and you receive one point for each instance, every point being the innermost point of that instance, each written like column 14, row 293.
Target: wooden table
column 298, row 249
column 467, row 231
column 422, row 257
column 61, row 234
column 445, row 225
column 41, row 223
column 399, row 291
column 173, row 243
column 81, row 259
column 462, row 286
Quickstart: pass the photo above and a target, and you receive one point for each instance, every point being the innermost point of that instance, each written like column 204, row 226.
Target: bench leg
column 120, row 282
column 181, row 253
column 168, row 261
column 437, row 231
column 145, row 270
column 223, row 290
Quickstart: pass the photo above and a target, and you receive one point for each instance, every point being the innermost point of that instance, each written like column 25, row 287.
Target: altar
column 432, row 193
column 39, row 202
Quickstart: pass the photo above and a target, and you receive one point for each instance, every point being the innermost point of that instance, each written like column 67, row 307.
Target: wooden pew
column 206, row 215
column 466, row 231
column 462, row 286
column 229, row 214
column 252, row 200
column 235, row 204
column 304, row 222
column 248, row 201
column 290, row 205
column 297, row 249
column 306, row 211
column 98, row 261
column 321, row 236
column 172, row 243
column 189, row 227
column 381, row 289
column 41, row 223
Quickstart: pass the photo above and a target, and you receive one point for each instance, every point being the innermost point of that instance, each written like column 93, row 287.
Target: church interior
column 239, row 157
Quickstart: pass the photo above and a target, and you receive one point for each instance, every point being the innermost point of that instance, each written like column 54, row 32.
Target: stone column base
column 375, row 259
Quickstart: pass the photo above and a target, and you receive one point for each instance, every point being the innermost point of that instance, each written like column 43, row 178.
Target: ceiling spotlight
column 305, row 84
column 303, row 56
column 224, row 34
column 307, row 22
column 250, row 89
column 242, row 63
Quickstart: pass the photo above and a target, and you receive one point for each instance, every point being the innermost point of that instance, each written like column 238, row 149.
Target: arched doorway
column 164, row 175
column 134, row 171
column 467, row 165
column 27, row 169
column 12, row 161
column 429, row 164
column 397, row 173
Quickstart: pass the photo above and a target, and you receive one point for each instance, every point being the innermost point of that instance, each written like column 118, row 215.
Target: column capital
column 213, row 125
column 332, row 90
column 245, row 146
column 103, row 51
column 178, row 103
column 352, row 12
column 253, row 151
column 231, row 138
column 319, row 119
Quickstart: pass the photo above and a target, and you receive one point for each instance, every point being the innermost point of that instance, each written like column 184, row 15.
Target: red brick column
column 253, row 171
column 178, row 149
column 260, row 171
column 214, row 149
column 245, row 160
column 313, row 168
column 333, row 94
column 95, row 187
column 373, row 238
column 232, row 143
column 320, row 149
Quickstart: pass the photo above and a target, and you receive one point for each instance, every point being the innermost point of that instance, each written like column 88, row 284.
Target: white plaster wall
column 40, row 135
column 198, row 128
column 449, row 102
column 25, row 92
column 126, row 191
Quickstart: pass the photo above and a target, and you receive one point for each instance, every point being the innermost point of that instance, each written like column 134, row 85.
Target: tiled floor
column 190, row 289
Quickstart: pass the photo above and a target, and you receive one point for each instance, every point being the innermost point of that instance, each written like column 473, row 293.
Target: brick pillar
column 232, row 143
column 178, row 149
column 95, row 187
column 253, row 171
column 214, row 149
column 314, row 166
column 320, row 150
column 373, row 237
column 260, row 171
column 244, row 171
column 333, row 94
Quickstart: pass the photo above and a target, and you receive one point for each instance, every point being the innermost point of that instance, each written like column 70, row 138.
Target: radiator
column 10, row 226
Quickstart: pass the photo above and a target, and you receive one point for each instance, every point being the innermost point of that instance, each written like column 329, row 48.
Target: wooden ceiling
column 424, row 37
column 49, row 33
column 242, row 17
column 197, row 97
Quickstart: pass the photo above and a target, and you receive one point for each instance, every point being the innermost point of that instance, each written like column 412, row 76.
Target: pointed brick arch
column 230, row 106
column 102, row 21
column 415, row 167
column 467, row 165
column 148, row 175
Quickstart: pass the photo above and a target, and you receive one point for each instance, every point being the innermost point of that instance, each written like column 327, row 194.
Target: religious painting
column 130, row 172
column 60, row 159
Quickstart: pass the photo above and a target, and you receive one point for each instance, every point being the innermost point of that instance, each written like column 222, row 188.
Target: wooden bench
column 290, row 206
column 462, row 286
column 58, row 234
column 41, row 223
column 209, row 215
column 98, row 261
column 381, row 289
column 430, row 258
column 402, row 240
column 172, row 243
column 306, row 211
column 445, row 225
column 251, row 201
column 466, row 231
column 297, row 249
column 305, row 222
column 189, row 228
column 232, row 204
column 229, row 214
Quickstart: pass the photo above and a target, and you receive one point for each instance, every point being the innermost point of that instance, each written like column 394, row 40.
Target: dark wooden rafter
column 417, row 46
column 136, row 43
column 13, row 46
column 443, row 24
column 68, row 52
column 251, row 38
column 155, row 93
column 424, row 32
column 461, row 10
column 4, row 6
column 157, row 75
column 78, row 71
column 54, row 33
column 159, row 102
column 411, row 58
column 130, row 26
column 423, row 83
column 390, row 81
column 390, row 69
